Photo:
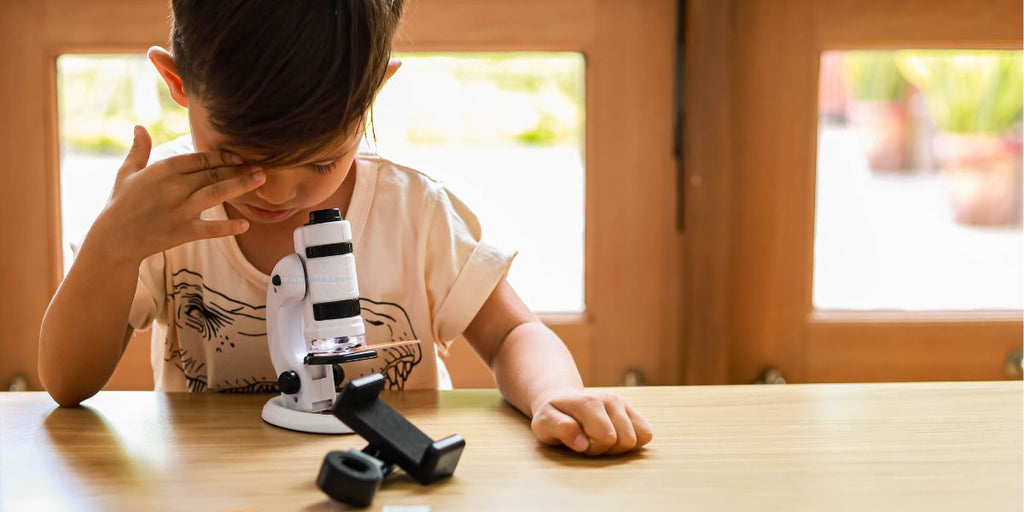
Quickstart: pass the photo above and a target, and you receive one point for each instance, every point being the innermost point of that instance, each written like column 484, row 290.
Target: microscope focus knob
column 289, row 382
column 339, row 374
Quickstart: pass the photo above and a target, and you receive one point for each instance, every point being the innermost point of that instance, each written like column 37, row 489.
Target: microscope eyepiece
column 322, row 216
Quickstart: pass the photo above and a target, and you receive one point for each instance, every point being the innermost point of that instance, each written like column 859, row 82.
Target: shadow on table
column 566, row 457
column 91, row 448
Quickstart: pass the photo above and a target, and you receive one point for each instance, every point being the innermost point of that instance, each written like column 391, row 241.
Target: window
column 919, row 181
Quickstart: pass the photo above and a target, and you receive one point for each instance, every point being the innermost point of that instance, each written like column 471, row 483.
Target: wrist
column 548, row 394
column 105, row 245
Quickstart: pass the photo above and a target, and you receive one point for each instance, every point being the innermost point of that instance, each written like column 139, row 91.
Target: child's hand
column 154, row 208
column 591, row 422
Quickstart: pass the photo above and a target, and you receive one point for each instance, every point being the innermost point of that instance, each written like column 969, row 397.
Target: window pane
column 100, row 99
column 919, row 181
column 504, row 132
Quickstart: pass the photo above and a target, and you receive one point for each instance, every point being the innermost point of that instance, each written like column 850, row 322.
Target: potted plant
column 877, row 107
column 974, row 98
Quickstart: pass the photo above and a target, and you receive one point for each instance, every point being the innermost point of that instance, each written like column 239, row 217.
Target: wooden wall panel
column 26, row 235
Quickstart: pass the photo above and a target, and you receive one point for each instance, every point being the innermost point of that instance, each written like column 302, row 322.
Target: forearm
column 532, row 363
column 537, row 374
column 84, row 328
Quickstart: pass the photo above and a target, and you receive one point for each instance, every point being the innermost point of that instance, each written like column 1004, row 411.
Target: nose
column 279, row 187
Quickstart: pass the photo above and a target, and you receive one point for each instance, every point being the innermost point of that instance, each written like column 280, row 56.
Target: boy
column 277, row 95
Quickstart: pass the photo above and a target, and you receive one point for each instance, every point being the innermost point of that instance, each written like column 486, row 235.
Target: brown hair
column 284, row 78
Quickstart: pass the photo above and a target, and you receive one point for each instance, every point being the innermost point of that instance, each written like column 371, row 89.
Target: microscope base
column 279, row 415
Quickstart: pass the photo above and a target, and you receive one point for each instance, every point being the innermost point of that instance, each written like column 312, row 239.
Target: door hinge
column 18, row 383
column 633, row 378
column 1014, row 364
column 770, row 375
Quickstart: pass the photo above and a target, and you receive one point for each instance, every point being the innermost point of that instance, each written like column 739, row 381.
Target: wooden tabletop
column 925, row 446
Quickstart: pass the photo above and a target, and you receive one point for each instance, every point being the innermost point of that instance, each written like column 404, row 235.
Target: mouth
column 269, row 215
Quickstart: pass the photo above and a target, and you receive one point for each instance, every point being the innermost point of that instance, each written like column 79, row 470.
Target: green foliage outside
column 968, row 91
column 102, row 96
column 496, row 87
column 873, row 76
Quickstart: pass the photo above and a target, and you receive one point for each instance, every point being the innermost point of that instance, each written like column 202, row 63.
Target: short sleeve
column 462, row 269
column 149, row 292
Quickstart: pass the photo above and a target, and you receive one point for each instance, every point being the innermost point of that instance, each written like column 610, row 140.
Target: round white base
column 277, row 414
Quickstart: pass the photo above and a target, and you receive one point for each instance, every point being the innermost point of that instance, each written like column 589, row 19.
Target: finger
column 553, row 427
column 644, row 434
column 192, row 162
column 202, row 229
column 592, row 415
column 138, row 154
column 624, row 432
column 205, row 177
column 221, row 191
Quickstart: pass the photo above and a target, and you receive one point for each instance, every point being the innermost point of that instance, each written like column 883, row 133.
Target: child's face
column 288, row 190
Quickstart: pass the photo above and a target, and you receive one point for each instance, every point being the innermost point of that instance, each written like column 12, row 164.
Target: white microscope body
column 313, row 322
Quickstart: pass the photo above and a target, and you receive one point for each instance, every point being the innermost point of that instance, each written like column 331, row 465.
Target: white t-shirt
column 422, row 269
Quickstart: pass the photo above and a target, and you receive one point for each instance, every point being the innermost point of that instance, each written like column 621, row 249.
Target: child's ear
column 393, row 66
column 163, row 61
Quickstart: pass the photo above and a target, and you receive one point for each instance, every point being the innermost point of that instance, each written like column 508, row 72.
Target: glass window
column 504, row 131
column 919, row 181
column 100, row 98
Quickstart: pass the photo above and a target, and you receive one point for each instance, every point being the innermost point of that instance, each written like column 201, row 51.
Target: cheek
column 322, row 186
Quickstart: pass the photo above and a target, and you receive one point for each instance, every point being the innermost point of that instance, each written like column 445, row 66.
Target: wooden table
column 929, row 446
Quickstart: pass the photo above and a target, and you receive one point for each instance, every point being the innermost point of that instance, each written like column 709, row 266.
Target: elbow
column 56, row 379
column 66, row 400
column 62, row 392
column 66, row 396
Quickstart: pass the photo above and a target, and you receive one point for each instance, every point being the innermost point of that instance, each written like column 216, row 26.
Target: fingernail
column 135, row 131
column 581, row 443
column 235, row 159
column 257, row 175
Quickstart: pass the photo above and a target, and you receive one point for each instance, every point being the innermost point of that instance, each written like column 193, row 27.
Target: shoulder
column 397, row 180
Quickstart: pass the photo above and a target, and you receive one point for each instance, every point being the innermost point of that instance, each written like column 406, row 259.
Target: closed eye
column 324, row 167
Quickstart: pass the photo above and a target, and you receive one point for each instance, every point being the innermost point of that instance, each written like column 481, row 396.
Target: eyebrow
column 283, row 162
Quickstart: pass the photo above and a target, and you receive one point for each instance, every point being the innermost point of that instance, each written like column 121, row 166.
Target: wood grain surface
column 908, row 446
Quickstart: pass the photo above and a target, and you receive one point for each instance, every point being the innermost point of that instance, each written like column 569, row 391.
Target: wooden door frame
column 706, row 185
column 750, row 195
column 633, row 250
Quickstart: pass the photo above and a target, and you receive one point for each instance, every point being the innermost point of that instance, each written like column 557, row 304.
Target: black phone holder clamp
column 353, row 477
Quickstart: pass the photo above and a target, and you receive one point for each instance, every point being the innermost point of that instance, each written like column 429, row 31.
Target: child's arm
column 151, row 209
column 85, row 328
column 536, row 373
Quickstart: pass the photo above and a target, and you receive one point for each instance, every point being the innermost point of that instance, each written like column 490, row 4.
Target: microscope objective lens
column 341, row 344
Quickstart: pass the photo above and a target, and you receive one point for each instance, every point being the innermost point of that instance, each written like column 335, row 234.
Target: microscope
column 314, row 325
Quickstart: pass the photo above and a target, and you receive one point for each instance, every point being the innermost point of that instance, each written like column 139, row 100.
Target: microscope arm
column 309, row 388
